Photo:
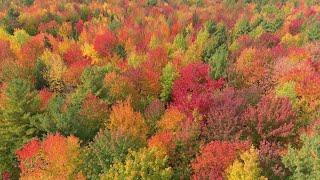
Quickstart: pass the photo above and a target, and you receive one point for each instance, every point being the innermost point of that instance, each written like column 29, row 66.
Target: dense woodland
column 159, row 89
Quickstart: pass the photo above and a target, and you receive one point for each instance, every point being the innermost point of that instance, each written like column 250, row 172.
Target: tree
column 218, row 62
column 164, row 141
column 21, row 106
column 168, row 76
column 251, row 66
column 105, row 43
column 171, row 120
column 247, row 168
column 101, row 153
column 55, row 157
column 215, row 158
column 81, row 114
column 304, row 163
column 273, row 119
column 223, row 119
column 193, row 90
column 143, row 164
column 125, row 122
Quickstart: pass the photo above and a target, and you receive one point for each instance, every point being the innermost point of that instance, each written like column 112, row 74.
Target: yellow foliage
column 56, row 69
column 64, row 45
column 293, row 40
column 65, row 29
column 4, row 35
column 194, row 52
column 89, row 51
column 247, row 168
column 134, row 59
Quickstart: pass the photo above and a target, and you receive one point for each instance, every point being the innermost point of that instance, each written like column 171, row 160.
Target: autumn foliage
column 159, row 89
column 55, row 157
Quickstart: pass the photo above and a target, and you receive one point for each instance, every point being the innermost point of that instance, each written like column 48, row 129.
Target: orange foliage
column 32, row 49
column 171, row 119
column 251, row 66
column 73, row 73
column 124, row 121
column 164, row 141
column 56, row 157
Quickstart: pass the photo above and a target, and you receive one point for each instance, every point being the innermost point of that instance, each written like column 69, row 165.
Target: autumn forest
column 160, row 89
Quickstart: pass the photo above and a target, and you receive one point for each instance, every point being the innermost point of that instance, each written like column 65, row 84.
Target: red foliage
column 268, row 40
column 5, row 175
column 5, row 51
column 33, row 48
column 79, row 26
column 295, row 26
column 73, row 54
column 47, row 27
column 193, row 90
column 94, row 109
column 152, row 69
column 55, row 157
column 270, row 159
column 105, row 43
column 223, row 120
column 215, row 157
column 26, row 154
column 73, row 73
column 154, row 110
column 45, row 96
column 272, row 120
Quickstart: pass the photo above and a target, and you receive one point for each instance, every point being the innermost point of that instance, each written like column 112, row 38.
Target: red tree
column 193, row 90
column 215, row 157
column 105, row 43
column 223, row 120
column 272, row 119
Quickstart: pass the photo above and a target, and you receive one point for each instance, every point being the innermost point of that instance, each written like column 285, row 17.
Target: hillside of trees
column 159, row 89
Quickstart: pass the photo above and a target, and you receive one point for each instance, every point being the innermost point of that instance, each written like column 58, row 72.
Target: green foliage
column 168, row 76
column 142, row 164
column 92, row 80
column 100, row 154
column 304, row 163
column 17, row 120
column 10, row 21
column 272, row 26
column 313, row 31
column 287, row 90
column 152, row 2
column 241, row 27
column 218, row 63
column 121, row 51
column 180, row 41
column 27, row 2
column 217, row 39
column 64, row 116
column 211, row 27
column 21, row 36
column 39, row 70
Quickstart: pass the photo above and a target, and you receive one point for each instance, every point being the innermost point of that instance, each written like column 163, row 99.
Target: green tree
column 218, row 63
column 304, row 163
column 100, row 154
column 168, row 76
column 17, row 124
